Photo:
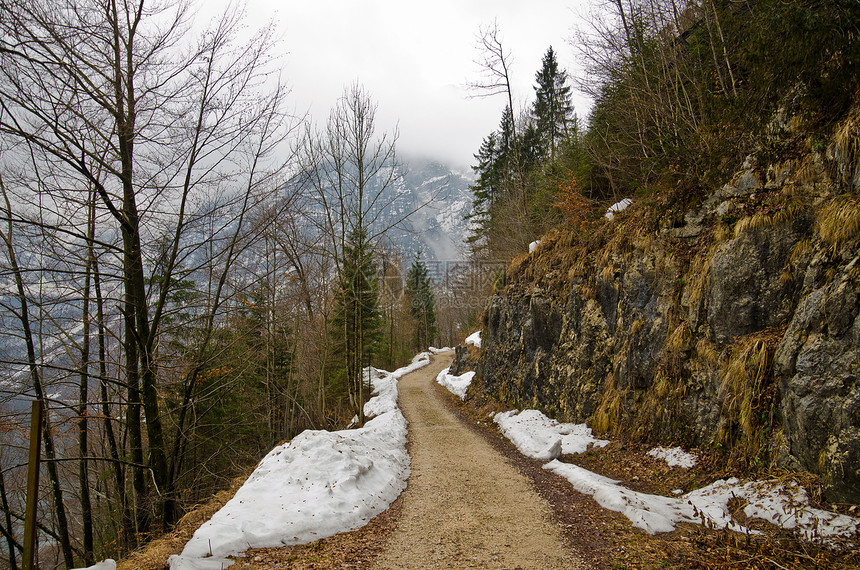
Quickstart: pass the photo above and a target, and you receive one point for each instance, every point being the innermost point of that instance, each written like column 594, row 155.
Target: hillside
column 729, row 323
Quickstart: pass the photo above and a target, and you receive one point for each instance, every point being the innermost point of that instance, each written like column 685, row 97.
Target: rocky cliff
column 732, row 325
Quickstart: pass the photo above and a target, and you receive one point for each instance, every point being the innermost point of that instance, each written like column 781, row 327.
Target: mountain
column 430, row 200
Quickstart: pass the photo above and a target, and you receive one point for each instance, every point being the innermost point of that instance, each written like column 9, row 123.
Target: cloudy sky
column 415, row 58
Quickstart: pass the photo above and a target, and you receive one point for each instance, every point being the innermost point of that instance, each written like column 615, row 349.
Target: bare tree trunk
column 83, row 398
column 127, row 515
column 35, row 377
column 12, row 544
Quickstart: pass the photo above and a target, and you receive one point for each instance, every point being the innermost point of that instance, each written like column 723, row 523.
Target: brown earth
column 466, row 506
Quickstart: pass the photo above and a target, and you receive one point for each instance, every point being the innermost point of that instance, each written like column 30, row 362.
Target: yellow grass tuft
column 800, row 249
column 707, row 352
column 846, row 142
column 790, row 212
column 606, row 416
column 517, row 265
column 761, row 220
column 607, row 273
column 838, row 223
column 757, row 221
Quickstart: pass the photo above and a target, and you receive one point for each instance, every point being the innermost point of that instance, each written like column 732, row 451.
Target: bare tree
column 107, row 97
column 351, row 170
column 495, row 63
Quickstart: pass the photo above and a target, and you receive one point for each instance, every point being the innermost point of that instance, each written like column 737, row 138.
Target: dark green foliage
column 244, row 393
column 356, row 326
column 422, row 307
column 496, row 172
column 517, row 178
column 552, row 107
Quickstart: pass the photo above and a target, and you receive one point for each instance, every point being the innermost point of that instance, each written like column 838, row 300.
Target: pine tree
column 357, row 321
column 495, row 174
column 419, row 291
column 484, row 190
column 552, row 106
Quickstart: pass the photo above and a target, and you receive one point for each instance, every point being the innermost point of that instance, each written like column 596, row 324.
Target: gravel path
column 465, row 506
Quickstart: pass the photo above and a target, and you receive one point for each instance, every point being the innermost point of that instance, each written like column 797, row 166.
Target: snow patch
column 787, row 507
column 457, row 385
column 674, row 457
column 474, row 339
column 652, row 513
column 540, row 437
column 420, row 360
column 617, row 207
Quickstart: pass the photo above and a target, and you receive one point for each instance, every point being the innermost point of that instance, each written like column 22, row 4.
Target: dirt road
column 465, row 506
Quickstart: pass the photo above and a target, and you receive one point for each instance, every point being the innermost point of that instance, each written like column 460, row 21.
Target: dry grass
column 154, row 555
column 748, row 393
column 756, row 222
column 761, row 220
column 606, row 416
column 838, row 223
column 846, row 142
column 707, row 352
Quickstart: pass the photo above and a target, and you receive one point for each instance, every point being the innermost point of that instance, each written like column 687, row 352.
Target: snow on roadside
column 540, row 437
column 420, row 360
column 457, row 385
column 474, row 339
column 674, row 456
column 651, row 513
column 543, row 438
column 317, row 485
column 787, row 507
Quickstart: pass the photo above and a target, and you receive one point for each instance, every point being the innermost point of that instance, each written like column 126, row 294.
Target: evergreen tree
column 552, row 107
column 485, row 188
column 357, row 320
column 420, row 293
column 507, row 149
column 495, row 174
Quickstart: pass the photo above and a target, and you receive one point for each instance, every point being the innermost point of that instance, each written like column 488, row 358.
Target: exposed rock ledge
column 738, row 332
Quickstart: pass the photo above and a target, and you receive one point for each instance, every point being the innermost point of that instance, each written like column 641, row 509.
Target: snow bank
column 420, row 360
column 788, row 507
column 674, row 457
column 457, row 385
column 617, row 207
column 540, row 437
column 474, row 339
column 785, row 507
column 385, row 390
column 319, row 484
column 651, row 513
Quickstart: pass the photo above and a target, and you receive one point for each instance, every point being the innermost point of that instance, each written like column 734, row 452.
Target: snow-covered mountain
column 438, row 199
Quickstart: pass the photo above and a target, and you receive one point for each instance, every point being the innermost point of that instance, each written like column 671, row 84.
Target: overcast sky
column 415, row 58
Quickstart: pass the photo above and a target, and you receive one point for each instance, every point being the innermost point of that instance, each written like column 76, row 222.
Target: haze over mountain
column 438, row 198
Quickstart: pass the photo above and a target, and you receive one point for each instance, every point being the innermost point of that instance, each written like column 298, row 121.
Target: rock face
column 739, row 337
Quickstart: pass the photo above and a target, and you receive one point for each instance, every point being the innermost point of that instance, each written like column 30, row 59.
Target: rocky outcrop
column 738, row 332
